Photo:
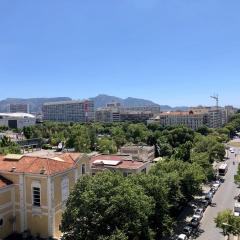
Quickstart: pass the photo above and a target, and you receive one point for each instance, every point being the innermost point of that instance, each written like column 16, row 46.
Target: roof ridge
column 30, row 164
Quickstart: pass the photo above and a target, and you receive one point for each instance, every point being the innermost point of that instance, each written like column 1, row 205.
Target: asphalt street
column 224, row 199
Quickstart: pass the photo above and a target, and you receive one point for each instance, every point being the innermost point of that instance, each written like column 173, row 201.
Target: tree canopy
column 107, row 205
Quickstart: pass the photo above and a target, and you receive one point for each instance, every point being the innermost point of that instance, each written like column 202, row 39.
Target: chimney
column 43, row 170
column 13, row 169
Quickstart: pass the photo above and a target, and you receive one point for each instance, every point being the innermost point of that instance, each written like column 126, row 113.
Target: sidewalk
column 234, row 238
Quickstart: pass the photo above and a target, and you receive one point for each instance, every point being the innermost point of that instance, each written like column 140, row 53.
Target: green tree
column 107, row 146
column 27, row 131
column 202, row 159
column 229, row 223
column 137, row 133
column 6, row 142
column 183, row 151
column 217, row 152
column 204, row 130
column 81, row 139
column 7, row 146
column 101, row 205
column 183, row 178
column 117, row 235
column 165, row 149
column 118, row 136
column 209, row 144
column 180, row 135
column 156, row 187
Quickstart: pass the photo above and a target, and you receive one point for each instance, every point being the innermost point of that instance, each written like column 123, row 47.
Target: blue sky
column 175, row 52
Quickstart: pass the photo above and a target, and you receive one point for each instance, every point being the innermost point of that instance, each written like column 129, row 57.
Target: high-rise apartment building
column 155, row 109
column 107, row 115
column 212, row 117
column 69, row 111
column 188, row 119
column 18, row 108
column 114, row 112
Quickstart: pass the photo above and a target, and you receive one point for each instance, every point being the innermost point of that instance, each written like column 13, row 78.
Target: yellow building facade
column 34, row 191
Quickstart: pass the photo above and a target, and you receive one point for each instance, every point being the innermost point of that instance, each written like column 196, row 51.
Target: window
column 126, row 174
column 1, row 222
column 36, row 194
column 36, row 197
column 83, row 169
column 65, row 189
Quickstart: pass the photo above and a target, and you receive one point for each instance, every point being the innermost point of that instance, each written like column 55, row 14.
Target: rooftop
column 135, row 146
column 180, row 113
column 46, row 165
column 116, row 162
column 67, row 102
column 17, row 115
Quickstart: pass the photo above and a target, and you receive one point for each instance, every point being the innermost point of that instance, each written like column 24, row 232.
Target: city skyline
column 208, row 101
column 169, row 52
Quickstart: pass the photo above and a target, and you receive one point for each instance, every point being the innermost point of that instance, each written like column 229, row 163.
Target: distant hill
column 167, row 108
column 102, row 99
column 35, row 104
column 99, row 101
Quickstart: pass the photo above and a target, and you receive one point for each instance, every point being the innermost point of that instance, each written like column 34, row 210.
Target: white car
column 231, row 150
column 199, row 212
column 236, row 214
column 182, row 237
column 198, row 217
column 216, row 185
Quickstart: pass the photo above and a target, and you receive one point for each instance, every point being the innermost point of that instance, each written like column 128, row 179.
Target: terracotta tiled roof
column 111, row 157
column 37, row 165
column 125, row 163
column 4, row 182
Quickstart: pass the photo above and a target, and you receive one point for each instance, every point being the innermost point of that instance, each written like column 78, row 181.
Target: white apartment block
column 69, row 111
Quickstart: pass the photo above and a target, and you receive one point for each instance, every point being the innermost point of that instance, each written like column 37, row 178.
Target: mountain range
column 99, row 101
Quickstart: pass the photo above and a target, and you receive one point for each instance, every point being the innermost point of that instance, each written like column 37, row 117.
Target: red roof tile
column 34, row 165
column 125, row 163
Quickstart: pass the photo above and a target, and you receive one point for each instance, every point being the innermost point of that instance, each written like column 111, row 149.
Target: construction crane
column 217, row 100
column 217, row 119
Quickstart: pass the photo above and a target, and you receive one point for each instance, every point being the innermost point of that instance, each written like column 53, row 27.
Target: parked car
column 216, row 185
column 197, row 217
column 209, row 195
column 212, row 190
column 204, row 203
column 187, row 230
column 194, row 222
column 182, row 237
column 199, row 212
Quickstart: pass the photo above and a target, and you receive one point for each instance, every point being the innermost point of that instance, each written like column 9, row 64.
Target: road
column 224, row 199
